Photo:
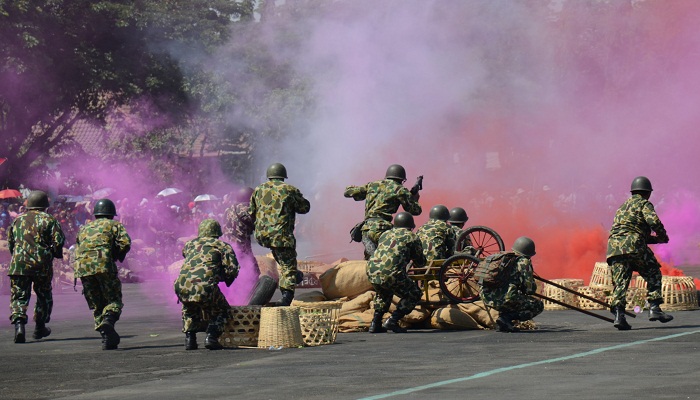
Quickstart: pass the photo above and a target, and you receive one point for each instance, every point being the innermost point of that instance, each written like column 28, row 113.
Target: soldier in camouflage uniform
column 208, row 261
column 274, row 206
column 438, row 238
column 100, row 243
column 35, row 238
column 386, row 271
column 513, row 300
column 458, row 218
column 628, row 251
column 238, row 229
column 382, row 200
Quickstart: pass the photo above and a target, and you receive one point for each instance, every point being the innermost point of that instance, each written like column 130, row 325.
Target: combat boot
column 111, row 337
column 41, row 331
column 376, row 326
column 191, row 341
column 655, row 313
column 211, row 342
column 620, row 320
column 287, row 297
column 504, row 323
column 19, row 332
column 392, row 323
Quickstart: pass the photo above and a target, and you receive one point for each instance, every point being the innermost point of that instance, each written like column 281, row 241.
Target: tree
column 69, row 60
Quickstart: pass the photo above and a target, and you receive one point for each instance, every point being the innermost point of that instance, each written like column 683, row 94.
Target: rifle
column 418, row 186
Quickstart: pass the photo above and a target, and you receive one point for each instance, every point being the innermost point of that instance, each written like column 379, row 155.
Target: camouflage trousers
column 213, row 312
column 286, row 258
column 371, row 231
column 622, row 268
column 103, row 293
column 522, row 308
column 403, row 287
column 21, row 293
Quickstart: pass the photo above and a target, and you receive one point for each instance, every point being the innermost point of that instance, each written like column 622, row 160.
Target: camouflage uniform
column 438, row 240
column 382, row 199
column 628, row 251
column 208, row 261
column 274, row 206
column 99, row 244
column 386, row 270
column 239, row 228
column 35, row 238
column 514, row 298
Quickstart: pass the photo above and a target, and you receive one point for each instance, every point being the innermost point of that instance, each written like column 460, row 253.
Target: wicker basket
column 602, row 277
column 560, row 294
column 596, row 293
column 679, row 292
column 280, row 327
column 319, row 322
column 242, row 328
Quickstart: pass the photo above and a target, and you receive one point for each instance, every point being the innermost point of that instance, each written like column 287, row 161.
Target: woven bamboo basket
column 596, row 293
column 679, row 292
column 602, row 276
column 242, row 328
column 560, row 294
column 280, row 327
column 319, row 322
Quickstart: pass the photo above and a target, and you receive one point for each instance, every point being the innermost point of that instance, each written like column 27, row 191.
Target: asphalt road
column 570, row 355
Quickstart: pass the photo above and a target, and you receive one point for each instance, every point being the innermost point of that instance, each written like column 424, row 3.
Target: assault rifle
column 418, row 186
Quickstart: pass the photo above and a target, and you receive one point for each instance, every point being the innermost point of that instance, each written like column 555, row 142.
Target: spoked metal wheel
column 480, row 241
column 457, row 278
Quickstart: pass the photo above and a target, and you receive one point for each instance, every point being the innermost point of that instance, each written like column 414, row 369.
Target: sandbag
column 355, row 322
column 309, row 297
column 486, row 317
column 345, row 279
column 358, row 304
column 453, row 317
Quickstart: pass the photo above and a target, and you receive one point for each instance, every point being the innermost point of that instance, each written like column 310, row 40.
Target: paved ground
column 571, row 355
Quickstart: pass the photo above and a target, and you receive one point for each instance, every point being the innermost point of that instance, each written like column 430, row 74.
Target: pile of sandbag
column 346, row 281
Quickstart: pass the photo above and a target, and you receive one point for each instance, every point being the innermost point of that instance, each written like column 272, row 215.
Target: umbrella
column 205, row 197
column 169, row 192
column 102, row 193
column 10, row 194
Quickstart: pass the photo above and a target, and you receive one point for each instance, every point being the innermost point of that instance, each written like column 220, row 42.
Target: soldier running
column 273, row 206
column 208, row 261
column 628, row 251
column 99, row 245
column 382, row 200
column 35, row 238
column 386, row 271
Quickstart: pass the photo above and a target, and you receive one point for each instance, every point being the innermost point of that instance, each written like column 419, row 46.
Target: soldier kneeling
column 386, row 270
column 208, row 261
column 507, row 284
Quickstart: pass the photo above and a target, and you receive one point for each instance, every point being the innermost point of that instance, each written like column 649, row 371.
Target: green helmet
column 641, row 184
column 104, row 207
column 458, row 216
column 209, row 228
column 243, row 195
column 276, row 171
column 395, row 171
column 37, row 200
column 525, row 246
column 439, row 212
column 404, row 220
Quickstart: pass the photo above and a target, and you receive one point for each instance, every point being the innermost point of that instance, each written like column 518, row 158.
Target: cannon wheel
column 483, row 239
column 457, row 278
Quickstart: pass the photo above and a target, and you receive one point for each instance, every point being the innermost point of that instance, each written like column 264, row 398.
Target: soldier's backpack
column 492, row 272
